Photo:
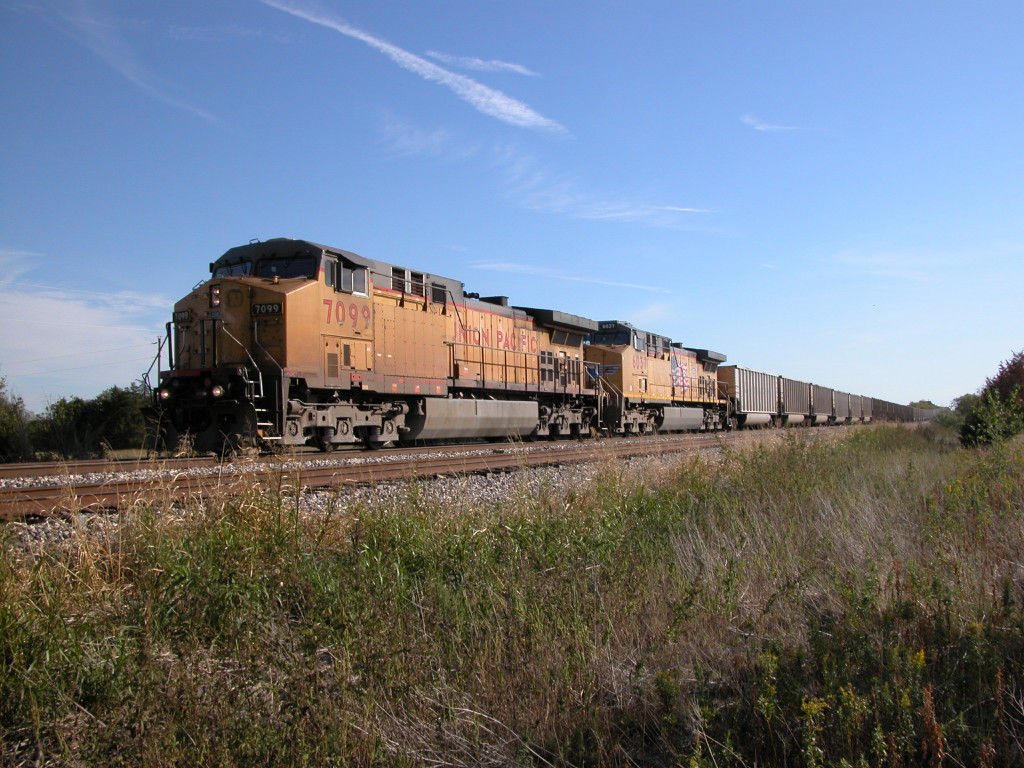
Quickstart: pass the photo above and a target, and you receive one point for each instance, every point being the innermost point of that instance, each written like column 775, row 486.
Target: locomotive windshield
column 239, row 269
column 287, row 266
column 614, row 339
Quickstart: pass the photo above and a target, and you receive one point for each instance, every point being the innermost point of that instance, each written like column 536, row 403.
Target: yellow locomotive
column 650, row 383
column 292, row 342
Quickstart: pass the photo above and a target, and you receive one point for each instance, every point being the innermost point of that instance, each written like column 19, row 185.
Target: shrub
column 1009, row 381
column 993, row 419
column 998, row 412
column 14, row 421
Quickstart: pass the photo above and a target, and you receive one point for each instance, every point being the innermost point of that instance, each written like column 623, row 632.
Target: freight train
column 292, row 343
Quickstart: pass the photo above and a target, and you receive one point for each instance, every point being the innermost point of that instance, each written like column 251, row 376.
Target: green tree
column 993, row 419
column 998, row 412
column 77, row 428
column 62, row 429
column 14, row 427
column 953, row 418
column 118, row 412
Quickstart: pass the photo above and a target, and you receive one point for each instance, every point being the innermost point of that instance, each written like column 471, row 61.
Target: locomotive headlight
column 217, row 391
column 214, row 295
column 165, row 394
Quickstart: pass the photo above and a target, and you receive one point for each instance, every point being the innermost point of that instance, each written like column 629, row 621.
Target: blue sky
column 828, row 190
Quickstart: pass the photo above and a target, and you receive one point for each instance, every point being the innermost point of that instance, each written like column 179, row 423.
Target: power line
column 77, row 354
column 77, row 368
column 54, row 289
column 81, row 325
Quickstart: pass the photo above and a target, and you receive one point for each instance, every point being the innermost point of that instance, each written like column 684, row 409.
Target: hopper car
column 291, row 343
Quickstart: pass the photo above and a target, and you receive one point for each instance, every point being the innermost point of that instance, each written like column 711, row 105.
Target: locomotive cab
column 233, row 355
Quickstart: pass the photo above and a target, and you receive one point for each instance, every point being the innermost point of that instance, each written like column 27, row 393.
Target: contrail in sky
column 760, row 125
column 480, row 65
column 487, row 100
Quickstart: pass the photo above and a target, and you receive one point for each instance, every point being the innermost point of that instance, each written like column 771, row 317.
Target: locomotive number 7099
column 340, row 312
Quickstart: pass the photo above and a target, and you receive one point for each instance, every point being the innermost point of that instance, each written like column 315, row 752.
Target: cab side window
column 349, row 278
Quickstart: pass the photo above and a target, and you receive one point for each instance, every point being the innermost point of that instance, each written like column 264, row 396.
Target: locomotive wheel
column 375, row 445
column 323, row 444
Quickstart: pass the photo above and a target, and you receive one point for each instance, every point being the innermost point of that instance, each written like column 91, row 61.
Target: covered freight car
column 794, row 401
column 822, row 405
column 753, row 395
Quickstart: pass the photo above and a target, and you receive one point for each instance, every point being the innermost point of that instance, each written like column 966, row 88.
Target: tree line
column 73, row 428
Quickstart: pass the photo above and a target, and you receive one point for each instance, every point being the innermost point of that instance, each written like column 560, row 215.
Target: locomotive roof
column 555, row 319
column 286, row 246
column 259, row 248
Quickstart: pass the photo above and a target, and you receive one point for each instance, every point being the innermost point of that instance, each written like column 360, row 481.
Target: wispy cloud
column 532, row 186
column 554, row 274
column 88, row 23
column 211, row 34
column 402, row 139
column 480, row 65
column 106, row 338
column 528, row 184
column 760, row 125
column 14, row 264
column 487, row 100
column 910, row 265
column 660, row 315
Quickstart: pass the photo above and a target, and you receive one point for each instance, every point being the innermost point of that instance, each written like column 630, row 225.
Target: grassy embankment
column 851, row 602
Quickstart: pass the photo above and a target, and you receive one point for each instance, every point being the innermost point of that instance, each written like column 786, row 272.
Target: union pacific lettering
column 516, row 341
column 476, row 336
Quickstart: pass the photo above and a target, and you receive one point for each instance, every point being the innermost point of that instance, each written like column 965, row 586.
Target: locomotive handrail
column 247, row 353
column 264, row 350
column 458, row 315
column 568, row 374
column 170, row 348
column 156, row 362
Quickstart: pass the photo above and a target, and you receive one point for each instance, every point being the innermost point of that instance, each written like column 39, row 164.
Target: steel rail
column 71, row 495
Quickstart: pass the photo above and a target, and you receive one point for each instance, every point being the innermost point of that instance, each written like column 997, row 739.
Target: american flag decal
column 678, row 375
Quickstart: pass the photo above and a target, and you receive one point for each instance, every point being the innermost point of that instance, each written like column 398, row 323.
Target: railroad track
column 193, row 481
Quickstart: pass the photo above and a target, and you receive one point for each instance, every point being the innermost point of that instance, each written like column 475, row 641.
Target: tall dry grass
column 853, row 601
